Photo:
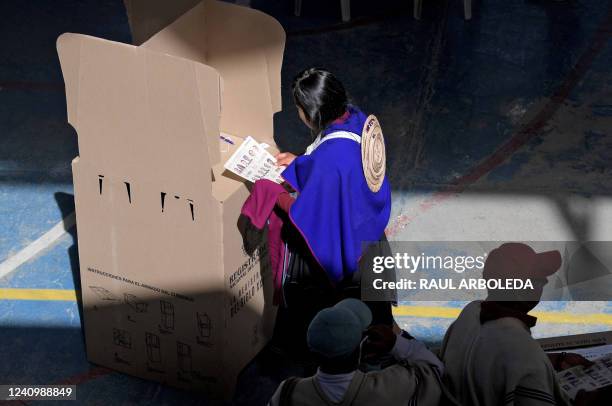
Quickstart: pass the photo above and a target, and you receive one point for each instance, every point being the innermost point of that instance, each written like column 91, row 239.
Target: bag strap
column 331, row 136
column 353, row 390
column 342, row 134
column 287, row 391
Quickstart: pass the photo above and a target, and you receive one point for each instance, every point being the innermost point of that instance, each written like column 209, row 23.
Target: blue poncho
column 335, row 210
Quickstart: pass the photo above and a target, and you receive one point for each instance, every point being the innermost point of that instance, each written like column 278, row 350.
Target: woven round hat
column 373, row 156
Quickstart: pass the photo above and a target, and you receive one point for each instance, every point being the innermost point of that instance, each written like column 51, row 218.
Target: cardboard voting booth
column 169, row 291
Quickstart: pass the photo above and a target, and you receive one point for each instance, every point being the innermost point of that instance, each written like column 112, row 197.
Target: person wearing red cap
column 489, row 353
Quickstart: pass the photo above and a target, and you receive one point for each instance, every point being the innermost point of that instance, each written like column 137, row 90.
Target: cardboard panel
column 252, row 43
column 249, row 281
column 147, row 17
column 146, row 103
column 68, row 50
column 210, row 103
column 170, row 293
column 145, row 240
column 148, row 273
column 245, row 46
column 244, row 30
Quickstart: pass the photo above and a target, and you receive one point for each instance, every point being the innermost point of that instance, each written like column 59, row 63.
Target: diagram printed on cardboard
column 183, row 354
column 204, row 329
column 135, row 303
column 119, row 360
column 102, row 293
column 122, row 338
column 153, row 346
column 166, row 325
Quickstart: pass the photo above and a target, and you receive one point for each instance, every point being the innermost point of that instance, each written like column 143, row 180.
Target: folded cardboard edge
column 149, row 17
column 69, row 50
column 70, row 47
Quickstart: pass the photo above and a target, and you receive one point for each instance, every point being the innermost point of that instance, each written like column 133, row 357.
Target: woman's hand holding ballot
column 284, row 158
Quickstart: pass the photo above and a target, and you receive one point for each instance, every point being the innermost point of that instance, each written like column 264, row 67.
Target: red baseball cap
column 518, row 260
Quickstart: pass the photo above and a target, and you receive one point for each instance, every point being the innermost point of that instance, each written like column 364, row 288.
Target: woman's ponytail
column 321, row 96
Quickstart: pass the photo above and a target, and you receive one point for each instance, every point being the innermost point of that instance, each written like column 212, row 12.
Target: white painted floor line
column 46, row 240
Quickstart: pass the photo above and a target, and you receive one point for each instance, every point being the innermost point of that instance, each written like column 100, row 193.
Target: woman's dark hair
column 320, row 95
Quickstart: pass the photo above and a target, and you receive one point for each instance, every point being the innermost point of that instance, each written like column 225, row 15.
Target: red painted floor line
column 92, row 373
column 523, row 135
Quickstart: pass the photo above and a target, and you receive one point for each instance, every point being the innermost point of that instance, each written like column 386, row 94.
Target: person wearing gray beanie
column 340, row 338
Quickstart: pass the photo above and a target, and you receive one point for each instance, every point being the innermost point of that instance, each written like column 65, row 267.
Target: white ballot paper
column 252, row 162
column 597, row 376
